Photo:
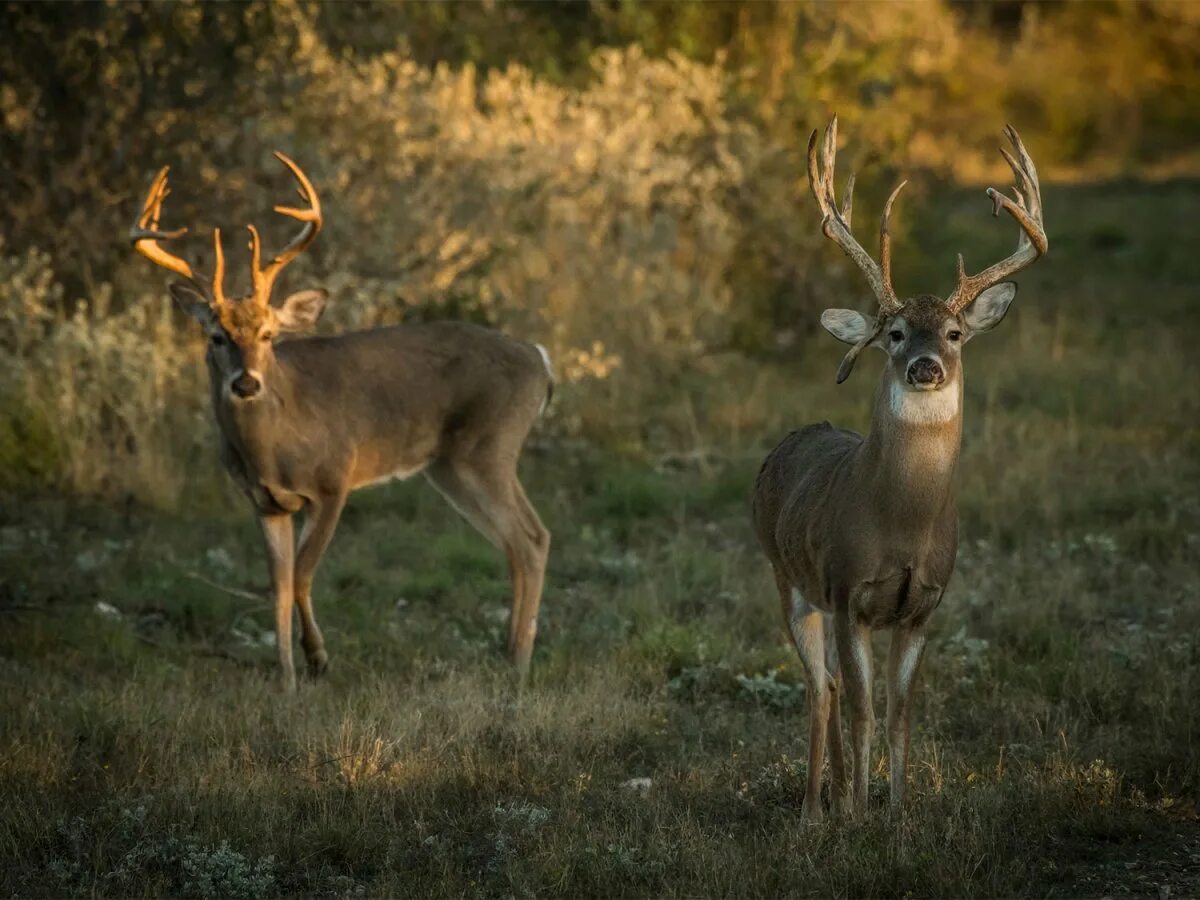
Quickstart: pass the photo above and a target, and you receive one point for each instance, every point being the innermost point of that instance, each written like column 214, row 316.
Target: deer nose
column 246, row 386
column 925, row 370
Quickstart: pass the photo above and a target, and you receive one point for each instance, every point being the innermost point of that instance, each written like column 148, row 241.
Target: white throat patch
column 923, row 407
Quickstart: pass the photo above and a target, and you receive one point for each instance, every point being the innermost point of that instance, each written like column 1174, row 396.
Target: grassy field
column 144, row 751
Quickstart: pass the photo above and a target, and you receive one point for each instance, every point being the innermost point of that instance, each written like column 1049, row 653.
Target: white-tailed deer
column 304, row 422
column 862, row 532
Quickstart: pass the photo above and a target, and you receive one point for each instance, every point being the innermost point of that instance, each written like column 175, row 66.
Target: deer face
column 241, row 334
column 924, row 338
column 922, row 342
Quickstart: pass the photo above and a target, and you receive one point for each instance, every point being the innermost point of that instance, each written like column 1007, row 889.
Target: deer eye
column 955, row 335
column 265, row 338
column 896, row 336
column 218, row 340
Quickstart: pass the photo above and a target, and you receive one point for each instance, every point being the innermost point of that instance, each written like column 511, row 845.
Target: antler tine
column 1026, row 209
column 848, row 202
column 885, row 246
column 255, row 259
column 145, row 233
column 815, row 184
column 264, row 278
column 829, row 162
column 836, row 225
column 218, row 277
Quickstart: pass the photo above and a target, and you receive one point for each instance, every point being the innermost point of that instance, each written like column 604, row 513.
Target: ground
column 658, row 748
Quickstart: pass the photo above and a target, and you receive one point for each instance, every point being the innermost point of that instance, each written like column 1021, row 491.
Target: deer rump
column 814, row 520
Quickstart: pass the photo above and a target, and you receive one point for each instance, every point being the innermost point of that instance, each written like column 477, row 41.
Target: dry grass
column 145, row 752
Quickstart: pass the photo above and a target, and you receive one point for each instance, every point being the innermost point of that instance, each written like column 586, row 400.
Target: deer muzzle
column 925, row 373
column 245, row 386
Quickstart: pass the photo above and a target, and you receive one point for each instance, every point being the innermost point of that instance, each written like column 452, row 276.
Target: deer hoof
column 843, row 807
column 318, row 663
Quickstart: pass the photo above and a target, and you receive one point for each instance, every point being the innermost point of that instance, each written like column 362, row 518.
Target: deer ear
column 846, row 325
column 989, row 308
column 191, row 301
column 300, row 310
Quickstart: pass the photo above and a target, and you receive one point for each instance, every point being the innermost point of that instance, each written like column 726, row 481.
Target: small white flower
column 219, row 558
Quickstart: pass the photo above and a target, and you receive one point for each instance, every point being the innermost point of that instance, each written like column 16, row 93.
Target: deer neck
column 908, row 459
column 254, row 428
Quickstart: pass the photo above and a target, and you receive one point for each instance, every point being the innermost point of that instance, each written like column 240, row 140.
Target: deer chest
column 904, row 597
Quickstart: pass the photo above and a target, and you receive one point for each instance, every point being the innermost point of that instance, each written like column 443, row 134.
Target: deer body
column 830, row 527
column 377, row 405
column 861, row 532
column 305, row 422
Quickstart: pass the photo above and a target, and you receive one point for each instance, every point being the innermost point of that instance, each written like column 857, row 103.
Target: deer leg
column 904, row 659
column 491, row 499
column 320, row 522
column 854, row 652
column 839, row 799
column 807, row 627
column 523, row 622
column 277, row 532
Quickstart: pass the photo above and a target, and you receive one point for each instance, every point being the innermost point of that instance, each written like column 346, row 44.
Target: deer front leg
column 319, row 524
column 277, row 531
column 838, row 798
column 904, row 659
column 808, row 633
column 854, row 652
column 808, row 630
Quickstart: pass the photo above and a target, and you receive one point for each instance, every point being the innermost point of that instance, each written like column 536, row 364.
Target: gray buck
column 304, row 422
column 862, row 532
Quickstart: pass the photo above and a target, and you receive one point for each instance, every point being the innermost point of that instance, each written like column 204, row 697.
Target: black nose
column 925, row 370
column 246, row 385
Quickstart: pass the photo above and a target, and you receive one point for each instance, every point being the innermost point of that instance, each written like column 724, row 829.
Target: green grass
column 1056, row 736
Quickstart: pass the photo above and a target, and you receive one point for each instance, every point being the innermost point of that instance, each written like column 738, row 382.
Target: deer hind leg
column 522, row 625
column 806, row 625
column 854, row 652
column 320, row 522
column 277, row 532
column 904, row 659
column 491, row 498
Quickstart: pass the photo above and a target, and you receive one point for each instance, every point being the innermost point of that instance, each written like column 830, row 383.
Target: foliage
column 623, row 183
column 100, row 400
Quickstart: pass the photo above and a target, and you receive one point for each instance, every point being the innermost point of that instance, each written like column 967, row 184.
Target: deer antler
column 836, row 224
column 145, row 235
column 264, row 277
column 1026, row 209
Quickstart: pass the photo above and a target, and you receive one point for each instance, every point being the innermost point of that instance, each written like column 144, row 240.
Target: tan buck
column 304, row 422
column 862, row 532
